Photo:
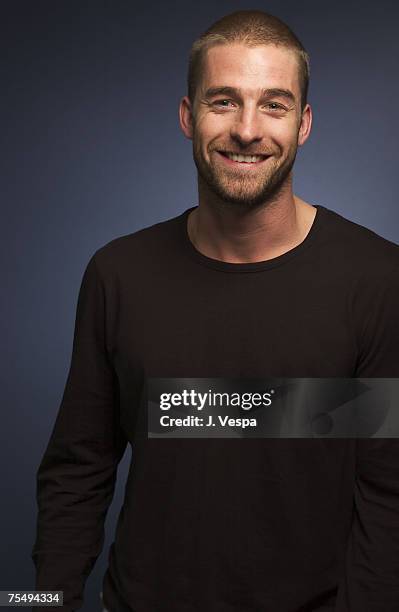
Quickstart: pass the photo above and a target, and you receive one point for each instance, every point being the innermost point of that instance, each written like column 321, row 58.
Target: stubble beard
column 241, row 189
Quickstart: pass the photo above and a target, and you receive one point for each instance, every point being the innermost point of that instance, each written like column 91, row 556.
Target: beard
column 244, row 189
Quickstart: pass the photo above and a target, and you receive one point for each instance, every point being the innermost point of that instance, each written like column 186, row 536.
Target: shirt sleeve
column 371, row 575
column 77, row 474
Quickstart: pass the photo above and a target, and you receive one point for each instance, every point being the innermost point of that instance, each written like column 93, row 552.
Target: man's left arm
column 371, row 578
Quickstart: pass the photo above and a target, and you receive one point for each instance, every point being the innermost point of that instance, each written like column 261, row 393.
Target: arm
column 371, row 581
column 371, row 573
column 76, row 477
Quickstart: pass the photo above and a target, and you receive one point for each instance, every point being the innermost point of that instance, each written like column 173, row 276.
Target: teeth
column 244, row 158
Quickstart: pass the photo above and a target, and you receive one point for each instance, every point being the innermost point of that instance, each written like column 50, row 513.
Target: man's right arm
column 76, row 477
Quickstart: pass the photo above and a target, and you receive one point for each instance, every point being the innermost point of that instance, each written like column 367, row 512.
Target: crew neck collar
column 217, row 264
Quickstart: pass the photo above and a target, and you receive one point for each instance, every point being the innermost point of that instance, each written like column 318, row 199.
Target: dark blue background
column 92, row 149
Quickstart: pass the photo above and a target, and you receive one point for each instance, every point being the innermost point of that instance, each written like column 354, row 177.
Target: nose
column 247, row 126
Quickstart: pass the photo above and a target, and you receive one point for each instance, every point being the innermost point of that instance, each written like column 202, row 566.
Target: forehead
column 237, row 65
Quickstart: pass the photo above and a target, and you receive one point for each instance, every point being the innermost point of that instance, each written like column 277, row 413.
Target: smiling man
column 246, row 133
column 260, row 284
column 246, row 121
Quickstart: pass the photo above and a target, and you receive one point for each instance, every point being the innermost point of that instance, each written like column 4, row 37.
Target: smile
column 242, row 160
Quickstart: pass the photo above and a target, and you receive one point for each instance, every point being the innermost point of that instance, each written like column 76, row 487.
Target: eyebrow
column 268, row 92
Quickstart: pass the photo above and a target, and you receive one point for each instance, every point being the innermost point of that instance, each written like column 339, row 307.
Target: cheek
column 283, row 136
column 213, row 126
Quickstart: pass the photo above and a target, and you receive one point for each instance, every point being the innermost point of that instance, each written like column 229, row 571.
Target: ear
column 186, row 117
column 305, row 125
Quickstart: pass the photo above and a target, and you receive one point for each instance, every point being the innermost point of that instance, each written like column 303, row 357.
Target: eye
column 219, row 102
column 275, row 104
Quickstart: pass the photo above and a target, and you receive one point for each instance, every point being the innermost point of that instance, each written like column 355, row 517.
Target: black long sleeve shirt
column 225, row 525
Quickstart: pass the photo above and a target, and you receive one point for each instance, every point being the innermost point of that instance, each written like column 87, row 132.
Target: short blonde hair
column 252, row 28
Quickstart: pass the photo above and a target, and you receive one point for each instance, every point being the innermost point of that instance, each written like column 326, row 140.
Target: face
column 245, row 120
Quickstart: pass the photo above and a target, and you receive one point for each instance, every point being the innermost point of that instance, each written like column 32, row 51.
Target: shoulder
column 362, row 251
column 136, row 249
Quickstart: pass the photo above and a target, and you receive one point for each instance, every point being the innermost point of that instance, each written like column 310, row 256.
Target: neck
column 236, row 235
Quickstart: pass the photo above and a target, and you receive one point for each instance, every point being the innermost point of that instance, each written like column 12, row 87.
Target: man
column 252, row 283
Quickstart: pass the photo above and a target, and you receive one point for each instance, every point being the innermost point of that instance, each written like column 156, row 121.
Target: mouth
column 242, row 160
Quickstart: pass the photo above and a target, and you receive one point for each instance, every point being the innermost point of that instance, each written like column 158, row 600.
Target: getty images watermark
column 276, row 408
column 211, row 399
